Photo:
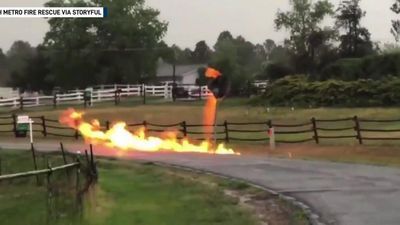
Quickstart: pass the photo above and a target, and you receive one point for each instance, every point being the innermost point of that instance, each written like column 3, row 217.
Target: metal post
column 174, row 80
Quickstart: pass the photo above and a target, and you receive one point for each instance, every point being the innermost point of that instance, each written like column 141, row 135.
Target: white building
column 185, row 74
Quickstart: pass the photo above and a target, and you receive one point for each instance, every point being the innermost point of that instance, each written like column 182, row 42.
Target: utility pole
column 174, row 87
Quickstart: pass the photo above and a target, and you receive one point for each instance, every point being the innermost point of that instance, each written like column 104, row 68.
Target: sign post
column 25, row 124
column 31, row 130
column 271, row 133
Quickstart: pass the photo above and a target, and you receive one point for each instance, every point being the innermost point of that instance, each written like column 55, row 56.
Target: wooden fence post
column 63, row 153
column 107, row 125
column 116, row 97
column 34, row 162
column 144, row 94
column 184, row 128
column 314, row 125
column 92, row 163
column 55, row 101
column 88, row 163
column 76, row 134
column 200, row 94
column 14, row 124
column 226, row 131
column 357, row 128
column 44, row 126
column 21, row 103
column 64, row 157
column 145, row 127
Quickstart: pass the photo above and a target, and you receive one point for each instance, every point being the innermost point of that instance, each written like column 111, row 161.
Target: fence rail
column 355, row 128
column 38, row 172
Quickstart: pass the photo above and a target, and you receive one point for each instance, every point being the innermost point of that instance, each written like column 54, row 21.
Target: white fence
column 104, row 93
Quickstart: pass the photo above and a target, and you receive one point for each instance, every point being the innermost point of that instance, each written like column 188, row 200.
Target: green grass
column 126, row 193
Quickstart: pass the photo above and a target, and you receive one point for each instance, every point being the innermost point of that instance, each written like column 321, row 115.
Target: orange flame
column 209, row 116
column 212, row 73
column 119, row 137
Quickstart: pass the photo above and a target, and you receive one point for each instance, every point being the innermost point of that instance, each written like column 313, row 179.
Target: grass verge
column 132, row 193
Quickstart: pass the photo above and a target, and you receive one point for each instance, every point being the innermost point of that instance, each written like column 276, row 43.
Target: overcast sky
column 194, row 20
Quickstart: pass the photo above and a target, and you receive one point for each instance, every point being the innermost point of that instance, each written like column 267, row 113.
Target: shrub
column 299, row 91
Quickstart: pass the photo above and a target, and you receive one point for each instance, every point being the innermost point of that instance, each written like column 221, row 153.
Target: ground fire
column 118, row 136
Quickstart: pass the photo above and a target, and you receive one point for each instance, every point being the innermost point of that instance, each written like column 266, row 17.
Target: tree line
column 125, row 48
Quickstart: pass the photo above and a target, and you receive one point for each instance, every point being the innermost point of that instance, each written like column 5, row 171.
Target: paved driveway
column 340, row 193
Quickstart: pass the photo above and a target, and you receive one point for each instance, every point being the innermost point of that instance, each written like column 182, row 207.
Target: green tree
column 303, row 21
column 396, row 23
column 4, row 73
column 18, row 58
column 202, row 53
column 238, row 59
column 356, row 41
column 34, row 76
column 119, row 48
column 269, row 46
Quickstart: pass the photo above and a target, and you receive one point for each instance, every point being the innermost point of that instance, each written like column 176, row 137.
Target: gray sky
column 194, row 20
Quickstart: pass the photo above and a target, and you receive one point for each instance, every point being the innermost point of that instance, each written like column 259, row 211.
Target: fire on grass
column 121, row 138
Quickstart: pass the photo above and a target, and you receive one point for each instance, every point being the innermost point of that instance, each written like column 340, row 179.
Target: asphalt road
column 345, row 194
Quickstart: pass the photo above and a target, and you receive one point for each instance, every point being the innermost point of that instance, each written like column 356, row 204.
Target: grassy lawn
column 131, row 193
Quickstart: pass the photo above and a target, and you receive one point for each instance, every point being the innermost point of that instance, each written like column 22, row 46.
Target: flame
column 212, row 73
column 119, row 137
column 209, row 116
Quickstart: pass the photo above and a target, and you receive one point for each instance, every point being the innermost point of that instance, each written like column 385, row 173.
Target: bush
column 299, row 91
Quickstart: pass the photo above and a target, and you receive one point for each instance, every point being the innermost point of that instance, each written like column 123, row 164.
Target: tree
column 396, row 23
column 4, row 73
column 223, row 37
column 302, row 21
column 269, row 46
column 119, row 48
column 34, row 76
column 356, row 42
column 236, row 58
column 202, row 53
column 18, row 57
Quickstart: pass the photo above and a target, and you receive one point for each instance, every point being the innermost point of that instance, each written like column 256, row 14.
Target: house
column 185, row 74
